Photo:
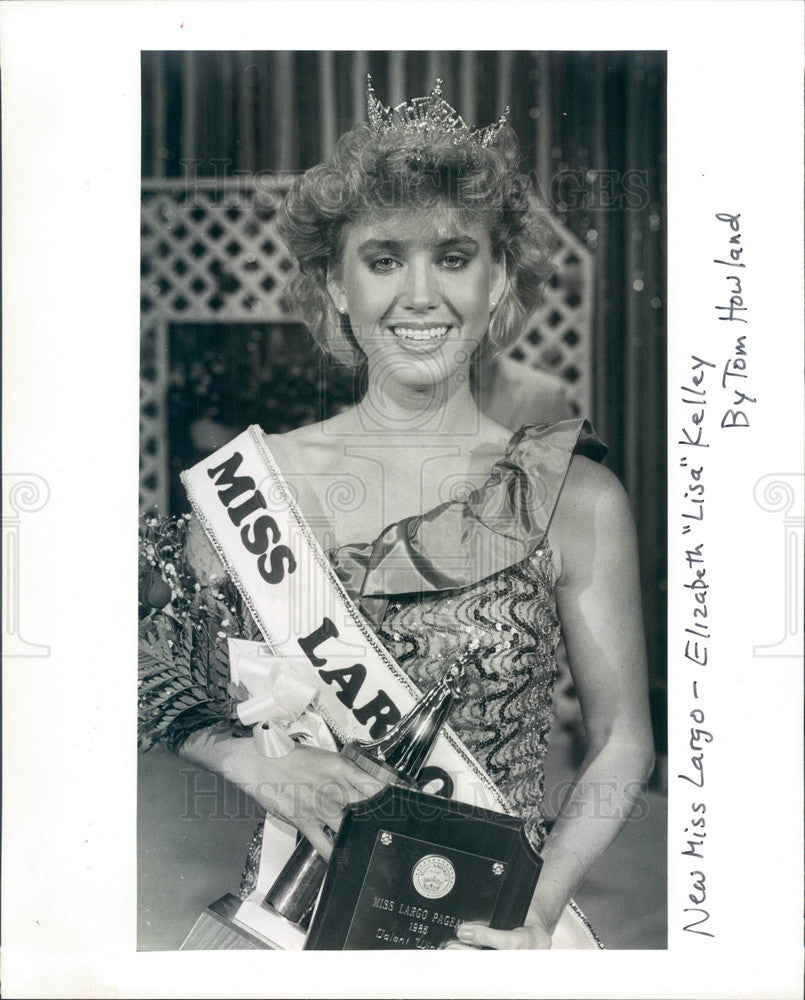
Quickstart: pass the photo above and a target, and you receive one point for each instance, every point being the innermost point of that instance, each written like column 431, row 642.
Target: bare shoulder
column 313, row 448
column 589, row 487
column 592, row 514
column 201, row 556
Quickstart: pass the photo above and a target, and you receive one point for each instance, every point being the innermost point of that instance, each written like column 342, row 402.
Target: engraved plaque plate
column 414, row 891
column 408, row 868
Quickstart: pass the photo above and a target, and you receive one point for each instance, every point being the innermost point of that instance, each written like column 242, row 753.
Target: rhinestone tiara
column 428, row 117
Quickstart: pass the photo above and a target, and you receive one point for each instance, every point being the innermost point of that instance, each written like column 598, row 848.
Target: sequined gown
column 480, row 573
column 504, row 714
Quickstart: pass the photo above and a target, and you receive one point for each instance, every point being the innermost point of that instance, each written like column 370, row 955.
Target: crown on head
column 428, row 117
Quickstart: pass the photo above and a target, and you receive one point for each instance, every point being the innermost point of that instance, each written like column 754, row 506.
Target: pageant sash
column 251, row 517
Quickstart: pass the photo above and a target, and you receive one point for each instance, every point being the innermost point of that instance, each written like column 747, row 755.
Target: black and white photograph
column 427, row 278
column 402, row 504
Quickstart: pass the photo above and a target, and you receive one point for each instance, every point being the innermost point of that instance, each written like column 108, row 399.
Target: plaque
column 409, row 868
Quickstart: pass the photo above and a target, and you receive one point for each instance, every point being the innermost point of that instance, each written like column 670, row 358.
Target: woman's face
column 418, row 286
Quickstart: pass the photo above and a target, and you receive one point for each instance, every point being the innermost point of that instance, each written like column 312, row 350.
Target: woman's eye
column 383, row 264
column 454, row 261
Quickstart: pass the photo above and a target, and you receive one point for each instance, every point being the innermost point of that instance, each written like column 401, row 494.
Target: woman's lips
column 420, row 334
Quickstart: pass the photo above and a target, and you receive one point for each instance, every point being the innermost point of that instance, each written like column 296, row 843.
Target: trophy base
column 229, row 924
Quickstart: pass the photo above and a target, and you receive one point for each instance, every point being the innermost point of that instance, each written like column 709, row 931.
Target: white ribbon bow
column 281, row 696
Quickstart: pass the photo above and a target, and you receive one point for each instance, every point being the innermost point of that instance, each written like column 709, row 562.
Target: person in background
column 513, row 393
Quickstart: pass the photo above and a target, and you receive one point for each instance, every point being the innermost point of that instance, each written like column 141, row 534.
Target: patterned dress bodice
column 504, row 712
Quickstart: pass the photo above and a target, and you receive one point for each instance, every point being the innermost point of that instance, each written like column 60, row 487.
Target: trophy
column 282, row 919
column 408, row 868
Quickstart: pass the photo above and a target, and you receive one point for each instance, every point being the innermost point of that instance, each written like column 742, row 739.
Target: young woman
column 419, row 245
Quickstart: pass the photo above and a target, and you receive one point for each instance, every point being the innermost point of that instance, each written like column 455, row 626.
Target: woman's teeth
column 420, row 334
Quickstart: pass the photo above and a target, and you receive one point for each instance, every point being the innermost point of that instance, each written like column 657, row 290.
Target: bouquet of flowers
column 184, row 626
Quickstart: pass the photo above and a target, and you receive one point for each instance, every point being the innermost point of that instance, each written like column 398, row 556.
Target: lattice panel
column 210, row 253
column 153, row 416
column 559, row 334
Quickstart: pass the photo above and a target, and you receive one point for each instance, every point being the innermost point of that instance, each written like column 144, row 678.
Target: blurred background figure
column 514, row 394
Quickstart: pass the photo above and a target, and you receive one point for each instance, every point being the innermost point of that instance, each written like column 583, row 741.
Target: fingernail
column 465, row 933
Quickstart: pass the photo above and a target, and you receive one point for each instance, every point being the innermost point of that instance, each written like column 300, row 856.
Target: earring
column 492, row 305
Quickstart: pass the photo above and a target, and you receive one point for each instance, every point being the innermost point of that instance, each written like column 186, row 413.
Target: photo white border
column 71, row 180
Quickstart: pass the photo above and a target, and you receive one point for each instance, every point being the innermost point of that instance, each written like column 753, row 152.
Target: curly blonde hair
column 370, row 174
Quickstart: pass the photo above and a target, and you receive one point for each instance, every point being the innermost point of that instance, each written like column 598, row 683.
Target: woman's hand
column 309, row 788
column 534, row 934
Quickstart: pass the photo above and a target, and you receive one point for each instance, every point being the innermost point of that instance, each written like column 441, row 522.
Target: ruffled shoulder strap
column 537, row 460
column 461, row 543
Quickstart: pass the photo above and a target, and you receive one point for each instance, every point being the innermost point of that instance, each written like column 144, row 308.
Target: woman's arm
column 309, row 787
column 593, row 540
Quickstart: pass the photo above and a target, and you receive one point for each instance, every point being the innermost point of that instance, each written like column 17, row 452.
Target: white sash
column 293, row 593
column 252, row 520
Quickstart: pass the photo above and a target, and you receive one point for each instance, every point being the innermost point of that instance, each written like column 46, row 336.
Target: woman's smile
column 420, row 337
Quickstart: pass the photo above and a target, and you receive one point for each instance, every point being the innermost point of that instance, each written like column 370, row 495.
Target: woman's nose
column 421, row 288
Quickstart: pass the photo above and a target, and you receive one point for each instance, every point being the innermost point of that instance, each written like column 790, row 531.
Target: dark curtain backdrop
column 592, row 132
